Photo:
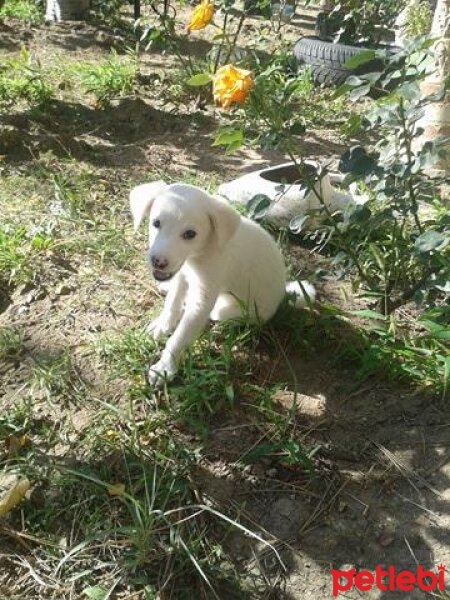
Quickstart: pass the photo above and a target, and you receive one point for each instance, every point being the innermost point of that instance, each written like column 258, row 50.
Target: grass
column 128, row 511
column 157, row 529
column 70, row 217
column 127, row 352
column 128, row 507
column 11, row 343
column 387, row 346
column 13, row 258
column 56, row 377
column 25, row 10
column 129, row 499
column 22, row 80
column 112, row 78
column 116, row 507
column 19, row 251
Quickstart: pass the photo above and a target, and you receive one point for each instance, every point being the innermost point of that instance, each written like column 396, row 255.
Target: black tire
column 327, row 60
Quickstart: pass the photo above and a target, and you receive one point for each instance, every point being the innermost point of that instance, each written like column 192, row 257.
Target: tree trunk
column 436, row 121
column 66, row 10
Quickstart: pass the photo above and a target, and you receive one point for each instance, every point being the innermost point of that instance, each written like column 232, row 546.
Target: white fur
column 232, row 267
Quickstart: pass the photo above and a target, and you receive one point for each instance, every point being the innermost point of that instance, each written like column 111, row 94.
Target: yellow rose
column 231, row 85
column 201, row 16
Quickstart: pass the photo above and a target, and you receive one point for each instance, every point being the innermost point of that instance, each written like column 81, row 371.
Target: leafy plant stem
column 410, row 159
column 304, row 174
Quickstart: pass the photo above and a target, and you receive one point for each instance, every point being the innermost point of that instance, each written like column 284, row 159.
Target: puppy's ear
column 225, row 221
column 141, row 200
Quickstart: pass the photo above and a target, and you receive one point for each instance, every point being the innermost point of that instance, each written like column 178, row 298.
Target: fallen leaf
column 95, row 593
column 117, row 489
column 13, row 496
column 14, row 443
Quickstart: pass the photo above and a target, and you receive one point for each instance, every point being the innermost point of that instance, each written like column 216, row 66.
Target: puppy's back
column 256, row 271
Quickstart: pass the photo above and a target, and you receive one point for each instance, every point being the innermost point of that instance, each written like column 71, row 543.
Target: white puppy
column 218, row 265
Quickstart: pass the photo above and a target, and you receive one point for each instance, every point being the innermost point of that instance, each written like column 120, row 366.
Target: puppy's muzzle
column 162, row 275
column 159, row 268
column 158, row 262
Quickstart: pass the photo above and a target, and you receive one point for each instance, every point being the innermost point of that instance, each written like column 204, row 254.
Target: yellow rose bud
column 231, row 85
column 201, row 16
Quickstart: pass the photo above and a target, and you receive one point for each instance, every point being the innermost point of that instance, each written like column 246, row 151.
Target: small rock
column 41, row 293
column 63, row 289
column 36, row 294
column 100, row 36
column 386, row 539
column 24, row 288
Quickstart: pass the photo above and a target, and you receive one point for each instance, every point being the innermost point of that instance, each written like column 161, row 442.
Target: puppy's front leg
column 193, row 321
column 173, row 308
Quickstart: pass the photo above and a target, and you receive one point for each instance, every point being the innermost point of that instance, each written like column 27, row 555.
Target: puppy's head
column 184, row 222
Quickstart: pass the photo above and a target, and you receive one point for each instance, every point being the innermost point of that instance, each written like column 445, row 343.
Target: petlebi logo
column 388, row 580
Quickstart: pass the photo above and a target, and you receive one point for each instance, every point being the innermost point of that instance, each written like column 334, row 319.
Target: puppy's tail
column 302, row 293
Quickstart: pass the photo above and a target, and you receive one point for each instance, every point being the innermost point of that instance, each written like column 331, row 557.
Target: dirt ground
column 381, row 490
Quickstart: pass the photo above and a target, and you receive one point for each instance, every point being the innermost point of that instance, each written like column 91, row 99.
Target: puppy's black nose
column 158, row 262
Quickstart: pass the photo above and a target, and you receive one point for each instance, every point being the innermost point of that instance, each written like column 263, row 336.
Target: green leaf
column 257, row 206
column 359, row 92
column 199, row 79
column 296, row 224
column 437, row 331
column 430, row 241
column 259, row 452
column 443, row 335
column 357, row 213
column 357, row 162
column 354, row 81
column 360, row 59
column 341, row 90
column 379, row 258
column 229, row 392
column 228, row 137
column 297, row 128
column 95, row 593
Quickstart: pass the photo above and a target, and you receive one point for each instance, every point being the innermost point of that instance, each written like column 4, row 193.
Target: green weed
column 14, row 253
column 19, row 253
column 387, row 346
column 143, row 506
column 56, row 376
column 109, row 79
column 24, row 10
column 11, row 343
column 22, row 79
column 128, row 353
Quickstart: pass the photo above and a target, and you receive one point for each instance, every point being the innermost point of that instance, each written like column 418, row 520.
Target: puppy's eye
column 189, row 234
column 156, row 223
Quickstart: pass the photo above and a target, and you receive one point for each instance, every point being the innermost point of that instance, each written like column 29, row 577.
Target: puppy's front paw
column 160, row 327
column 163, row 370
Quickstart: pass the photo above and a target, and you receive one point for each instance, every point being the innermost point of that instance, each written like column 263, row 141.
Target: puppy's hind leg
column 173, row 309
column 225, row 308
